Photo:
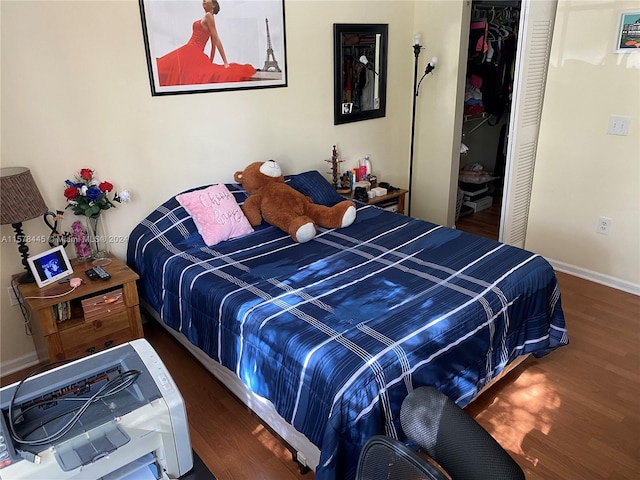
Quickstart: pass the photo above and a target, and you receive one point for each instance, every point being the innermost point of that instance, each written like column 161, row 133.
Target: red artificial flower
column 86, row 173
column 105, row 187
column 71, row 192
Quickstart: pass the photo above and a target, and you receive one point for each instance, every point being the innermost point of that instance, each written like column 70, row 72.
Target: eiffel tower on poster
column 270, row 63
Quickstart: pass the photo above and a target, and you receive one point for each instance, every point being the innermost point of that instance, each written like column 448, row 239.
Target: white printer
column 106, row 416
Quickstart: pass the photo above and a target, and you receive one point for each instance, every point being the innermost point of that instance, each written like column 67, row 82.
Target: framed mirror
column 360, row 71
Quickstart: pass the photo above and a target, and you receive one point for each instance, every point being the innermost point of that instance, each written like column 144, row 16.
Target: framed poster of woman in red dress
column 196, row 46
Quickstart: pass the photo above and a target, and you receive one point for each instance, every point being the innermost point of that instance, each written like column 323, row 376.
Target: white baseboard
column 596, row 277
column 20, row 363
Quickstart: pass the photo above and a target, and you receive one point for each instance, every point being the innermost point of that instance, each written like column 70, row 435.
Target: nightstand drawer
column 88, row 332
column 103, row 306
column 97, row 343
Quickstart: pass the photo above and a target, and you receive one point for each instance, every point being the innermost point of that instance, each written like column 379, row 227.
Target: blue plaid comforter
column 337, row 331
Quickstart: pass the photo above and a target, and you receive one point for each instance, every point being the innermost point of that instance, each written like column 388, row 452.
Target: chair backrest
column 384, row 458
column 453, row 439
column 442, row 430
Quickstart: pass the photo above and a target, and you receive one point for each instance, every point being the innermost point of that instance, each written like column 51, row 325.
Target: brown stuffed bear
column 286, row 208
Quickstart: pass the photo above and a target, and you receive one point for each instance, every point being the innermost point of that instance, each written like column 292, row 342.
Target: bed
column 325, row 339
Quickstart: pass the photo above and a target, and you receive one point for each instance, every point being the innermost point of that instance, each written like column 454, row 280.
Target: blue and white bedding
column 335, row 332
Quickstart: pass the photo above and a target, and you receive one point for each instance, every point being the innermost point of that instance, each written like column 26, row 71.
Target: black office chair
column 443, row 431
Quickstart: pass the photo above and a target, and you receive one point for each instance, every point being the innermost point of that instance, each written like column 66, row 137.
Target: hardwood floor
column 574, row 414
column 485, row 223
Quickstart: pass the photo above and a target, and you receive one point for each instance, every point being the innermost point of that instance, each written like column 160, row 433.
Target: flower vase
column 98, row 240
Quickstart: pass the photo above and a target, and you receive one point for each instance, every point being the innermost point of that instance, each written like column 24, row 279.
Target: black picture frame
column 360, row 88
column 252, row 33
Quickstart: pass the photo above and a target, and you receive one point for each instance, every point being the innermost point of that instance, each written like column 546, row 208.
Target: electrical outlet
column 604, row 226
column 13, row 300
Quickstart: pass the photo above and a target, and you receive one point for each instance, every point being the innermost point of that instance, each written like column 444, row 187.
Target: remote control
column 91, row 273
column 101, row 272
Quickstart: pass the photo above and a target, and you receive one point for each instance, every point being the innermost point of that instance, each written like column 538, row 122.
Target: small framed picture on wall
column 628, row 35
column 196, row 46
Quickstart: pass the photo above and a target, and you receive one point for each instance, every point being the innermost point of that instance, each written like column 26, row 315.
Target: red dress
column 189, row 64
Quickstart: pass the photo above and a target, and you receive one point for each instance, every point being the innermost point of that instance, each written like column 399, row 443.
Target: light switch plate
column 618, row 125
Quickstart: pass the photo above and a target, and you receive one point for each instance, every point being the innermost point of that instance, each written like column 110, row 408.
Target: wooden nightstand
column 103, row 313
column 396, row 197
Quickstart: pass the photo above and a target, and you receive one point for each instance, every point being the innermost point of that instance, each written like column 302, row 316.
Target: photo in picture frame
column 249, row 35
column 50, row 266
column 628, row 34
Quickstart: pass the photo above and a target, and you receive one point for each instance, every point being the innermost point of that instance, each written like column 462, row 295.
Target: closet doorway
column 508, row 55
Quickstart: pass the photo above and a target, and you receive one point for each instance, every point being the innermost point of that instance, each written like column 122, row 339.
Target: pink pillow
column 216, row 214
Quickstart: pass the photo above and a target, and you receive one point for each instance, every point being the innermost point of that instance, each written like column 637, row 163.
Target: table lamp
column 20, row 200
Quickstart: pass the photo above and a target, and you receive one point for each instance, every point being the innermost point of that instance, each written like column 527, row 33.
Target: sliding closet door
column 534, row 45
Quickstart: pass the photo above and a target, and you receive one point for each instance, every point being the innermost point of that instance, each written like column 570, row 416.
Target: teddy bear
column 271, row 199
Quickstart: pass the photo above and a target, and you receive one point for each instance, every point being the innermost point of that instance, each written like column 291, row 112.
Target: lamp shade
column 20, row 199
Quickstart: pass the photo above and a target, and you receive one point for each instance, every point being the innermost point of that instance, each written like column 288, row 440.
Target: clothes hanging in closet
column 491, row 61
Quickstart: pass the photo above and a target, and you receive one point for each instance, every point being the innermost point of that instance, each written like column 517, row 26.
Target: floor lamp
column 416, row 87
column 20, row 200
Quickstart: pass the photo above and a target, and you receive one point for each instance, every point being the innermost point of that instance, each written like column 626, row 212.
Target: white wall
column 444, row 26
column 581, row 172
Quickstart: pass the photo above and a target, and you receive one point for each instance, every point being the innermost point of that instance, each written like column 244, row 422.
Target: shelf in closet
column 483, row 117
